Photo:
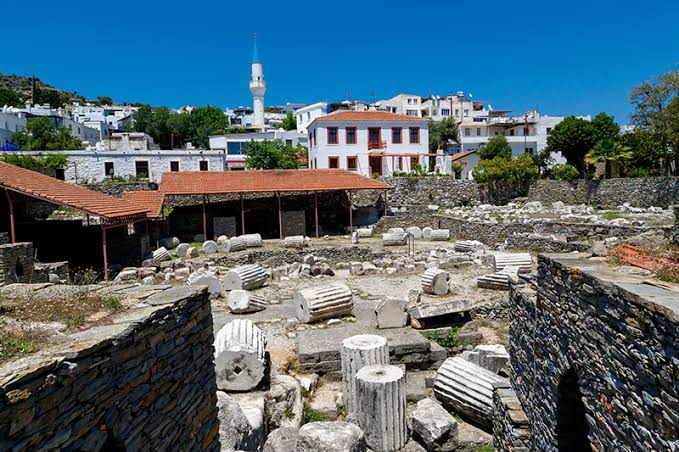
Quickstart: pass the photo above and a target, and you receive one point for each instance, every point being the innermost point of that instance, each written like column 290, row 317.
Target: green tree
column 656, row 112
column 203, row 122
column 104, row 100
column 289, row 122
column 605, row 127
column 40, row 135
column 499, row 172
column 441, row 133
column 610, row 152
column 46, row 165
column 497, row 146
column 271, row 154
column 10, row 98
column 564, row 171
column 573, row 138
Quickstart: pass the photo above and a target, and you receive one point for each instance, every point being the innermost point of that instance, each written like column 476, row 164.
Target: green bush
column 564, row 171
column 498, row 171
column 497, row 147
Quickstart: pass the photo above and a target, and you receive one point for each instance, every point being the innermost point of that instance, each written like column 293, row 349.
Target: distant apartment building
column 234, row 146
column 273, row 116
column 368, row 142
column 305, row 115
column 58, row 117
column 114, row 117
column 9, row 124
column 133, row 141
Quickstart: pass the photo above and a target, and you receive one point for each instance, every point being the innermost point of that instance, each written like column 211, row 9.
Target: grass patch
column 668, row 273
column 17, row 342
column 611, row 215
column 342, row 411
column 485, row 449
column 85, row 277
column 447, row 339
column 311, row 415
column 289, row 413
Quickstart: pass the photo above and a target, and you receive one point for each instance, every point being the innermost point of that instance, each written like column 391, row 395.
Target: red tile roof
column 205, row 182
column 459, row 155
column 371, row 115
column 46, row 188
column 152, row 201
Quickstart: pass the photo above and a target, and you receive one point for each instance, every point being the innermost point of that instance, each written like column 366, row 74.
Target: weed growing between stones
column 18, row 341
column 484, row 449
column 447, row 339
column 668, row 273
column 342, row 411
column 289, row 412
column 311, row 415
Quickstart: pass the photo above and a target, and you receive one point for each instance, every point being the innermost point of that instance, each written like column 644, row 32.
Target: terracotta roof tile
column 152, row 201
column 459, row 155
column 381, row 116
column 58, row 192
column 206, row 182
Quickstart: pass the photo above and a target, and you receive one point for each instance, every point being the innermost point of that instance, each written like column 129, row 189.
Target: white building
column 369, row 142
column 114, row 117
column 94, row 166
column 131, row 141
column 402, row 104
column 59, row 118
column 9, row 124
column 235, row 145
column 305, row 115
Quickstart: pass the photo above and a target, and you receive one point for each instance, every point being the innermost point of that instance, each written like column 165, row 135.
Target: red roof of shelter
column 152, row 201
column 370, row 115
column 46, row 188
column 459, row 155
column 206, row 182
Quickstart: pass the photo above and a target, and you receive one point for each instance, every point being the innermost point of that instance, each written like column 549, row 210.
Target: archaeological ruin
column 347, row 314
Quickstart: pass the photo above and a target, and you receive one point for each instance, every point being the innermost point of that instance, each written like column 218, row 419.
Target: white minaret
column 257, row 87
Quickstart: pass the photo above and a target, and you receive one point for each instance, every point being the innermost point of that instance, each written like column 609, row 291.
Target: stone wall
column 443, row 191
column 146, row 382
column 118, row 188
column 4, row 238
column 511, row 431
column 16, row 263
column 274, row 257
column 594, row 358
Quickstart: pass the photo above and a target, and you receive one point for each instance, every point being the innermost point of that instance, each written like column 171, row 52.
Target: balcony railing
column 378, row 145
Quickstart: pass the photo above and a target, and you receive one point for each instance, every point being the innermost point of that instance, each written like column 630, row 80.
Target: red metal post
column 204, row 223
column 242, row 215
column 280, row 216
column 11, row 217
column 351, row 215
column 103, row 245
column 316, row 211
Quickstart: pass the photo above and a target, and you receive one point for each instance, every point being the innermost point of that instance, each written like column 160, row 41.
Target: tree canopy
column 497, row 146
column 170, row 129
column 442, row 133
column 289, row 123
column 272, row 154
column 40, row 135
column 573, row 138
column 605, row 127
column 10, row 98
column 499, row 171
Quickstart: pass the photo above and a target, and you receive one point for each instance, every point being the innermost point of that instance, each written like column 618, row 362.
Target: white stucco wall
column 320, row 152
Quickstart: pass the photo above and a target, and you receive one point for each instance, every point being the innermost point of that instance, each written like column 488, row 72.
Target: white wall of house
column 90, row 166
column 234, row 146
column 10, row 123
column 305, row 115
column 321, row 151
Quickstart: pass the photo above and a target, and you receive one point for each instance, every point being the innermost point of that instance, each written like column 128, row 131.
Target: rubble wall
column 117, row 189
column 146, row 382
column 16, row 263
column 511, row 430
column 443, row 191
column 589, row 329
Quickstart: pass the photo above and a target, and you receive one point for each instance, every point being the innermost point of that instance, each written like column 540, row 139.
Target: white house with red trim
column 368, row 142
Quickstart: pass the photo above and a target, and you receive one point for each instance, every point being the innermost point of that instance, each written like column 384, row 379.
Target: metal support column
column 11, row 217
column 280, row 216
column 103, row 245
column 316, row 211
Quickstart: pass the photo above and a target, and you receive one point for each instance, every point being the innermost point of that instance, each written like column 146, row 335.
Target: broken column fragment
column 434, row 426
column 234, row 244
column 244, row 302
column 295, row 241
column 246, row 277
column 324, row 302
column 240, row 356
column 499, row 280
column 521, row 260
column 429, row 314
column 440, row 235
column 435, row 281
column 252, row 240
column 355, row 353
column 381, row 398
column 493, row 357
column 391, row 313
column 467, row 388
column 394, row 239
column 468, row 246
column 205, row 278
column 161, row 255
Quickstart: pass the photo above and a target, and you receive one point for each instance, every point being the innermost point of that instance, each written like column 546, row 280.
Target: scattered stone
column 283, row 405
column 468, row 246
column 326, row 398
column 440, row 235
column 235, row 244
column 192, row 251
column 391, row 313
column 381, row 396
column 394, row 239
column 467, row 388
column 235, row 432
column 169, row 242
column 308, row 382
column 246, row 277
column 521, row 260
column 161, row 255
column 252, row 240
column 205, row 278
column 182, row 248
column 244, row 302
column 415, row 231
column 364, row 232
column 435, row 281
column 221, row 240
column 240, row 359
column 499, row 280
column 492, row 357
column 331, row 437
column 282, row 440
column 323, row 302
column 422, row 315
column 434, row 426
column 210, row 247
column 395, row 231
column 426, row 233
column 295, row 241
column 355, row 353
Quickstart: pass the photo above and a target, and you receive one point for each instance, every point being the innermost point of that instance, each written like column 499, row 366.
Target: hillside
column 22, row 86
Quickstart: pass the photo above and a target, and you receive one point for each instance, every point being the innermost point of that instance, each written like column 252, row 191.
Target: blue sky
column 574, row 57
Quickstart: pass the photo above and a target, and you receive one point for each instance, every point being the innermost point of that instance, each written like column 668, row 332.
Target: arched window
column 571, row 424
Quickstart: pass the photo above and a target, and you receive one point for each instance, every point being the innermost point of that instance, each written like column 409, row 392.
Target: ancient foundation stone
column 161, row 255
column 246, row 277
column 205, row 278
column 467, row 388
column 244, row 302
column 381, row 396
column 330, row 437
column 323, row 302
column 355, row 353
column 391, row 313
column 210, row 247
column 521, row 260
column 435, row 281
column 440, row 235
column 433, row 425
column 295, row 241
column 240, row 356
column 394, row 239
column 252, row 240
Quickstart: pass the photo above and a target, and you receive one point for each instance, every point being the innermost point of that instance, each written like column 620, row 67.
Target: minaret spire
column 257, row 86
